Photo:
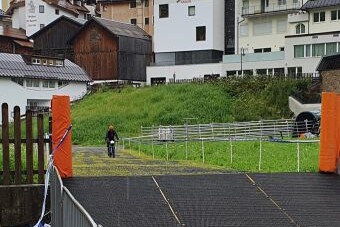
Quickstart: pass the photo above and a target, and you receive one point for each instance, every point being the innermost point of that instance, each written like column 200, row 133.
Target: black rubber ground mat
column 122, row 201
column 220, row 200
column 309, row 199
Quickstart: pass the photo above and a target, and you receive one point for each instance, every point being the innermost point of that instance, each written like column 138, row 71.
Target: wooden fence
column 20, row 174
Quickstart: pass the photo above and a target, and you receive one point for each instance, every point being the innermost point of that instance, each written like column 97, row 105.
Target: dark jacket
column 111, row 135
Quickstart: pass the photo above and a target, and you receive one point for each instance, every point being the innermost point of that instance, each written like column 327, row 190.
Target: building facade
column 31, row 81
column 272, row 37
column 110, row 50
column 138, row 12
column 188, row 32
column 14, row 41
column 32, row 15
column 53, row 39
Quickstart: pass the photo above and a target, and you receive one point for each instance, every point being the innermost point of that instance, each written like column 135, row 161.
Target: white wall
column 16, row 95
column 19, row 18
column 182, row 71
column 178, row 31
column 34, row 18
column 308, row 64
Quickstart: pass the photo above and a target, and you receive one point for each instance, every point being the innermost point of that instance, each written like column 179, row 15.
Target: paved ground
column 235, row 199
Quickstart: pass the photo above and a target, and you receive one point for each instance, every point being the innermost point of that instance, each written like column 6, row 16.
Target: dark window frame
column 133, row 4
column 164, row 11
column 41, row 9
column 201, row 33
column 190, row 7
column 133, row 21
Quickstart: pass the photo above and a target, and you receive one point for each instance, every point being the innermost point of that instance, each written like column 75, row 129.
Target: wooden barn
column 110, row 50
column 14, row 41
column 52, row 40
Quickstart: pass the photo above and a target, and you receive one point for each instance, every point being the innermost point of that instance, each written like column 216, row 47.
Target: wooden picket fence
column 22, row 174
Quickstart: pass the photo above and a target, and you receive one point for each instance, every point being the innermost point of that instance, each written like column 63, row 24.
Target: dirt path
column 93, row 161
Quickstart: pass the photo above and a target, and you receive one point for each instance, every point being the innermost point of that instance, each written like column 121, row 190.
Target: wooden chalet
column 52, row 40
column 14, row 41
column 111, row 50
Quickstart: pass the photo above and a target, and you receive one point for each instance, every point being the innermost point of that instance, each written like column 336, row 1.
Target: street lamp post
column 242, row 54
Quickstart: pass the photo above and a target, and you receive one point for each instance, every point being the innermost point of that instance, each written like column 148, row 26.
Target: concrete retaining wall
column 20, row 204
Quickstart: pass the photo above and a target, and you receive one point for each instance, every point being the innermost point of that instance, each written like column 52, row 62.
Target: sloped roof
column 331, row 62
column 3, row 13
column 18, row 66
column 122, row 29
column 62, row 4
column 313, row 4
column 13, row 33
column 77, row 21
column 24, row 43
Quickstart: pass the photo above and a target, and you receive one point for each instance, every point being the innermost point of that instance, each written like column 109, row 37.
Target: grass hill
column 233, row 99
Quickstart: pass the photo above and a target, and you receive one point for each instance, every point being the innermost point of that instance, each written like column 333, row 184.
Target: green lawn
column 244, row 156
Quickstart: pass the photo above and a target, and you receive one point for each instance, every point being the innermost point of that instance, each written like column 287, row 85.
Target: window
column 262, row 26
column 59, row 63
column 191, row 11
column 45, row 84
column 44, row 61
column 50, row 62
column 41, row 9
column 42, row 25
column 244, row 30
column 261, row 71
column 335, row 15
column 133, row 21
column 299, row 51
column 32, row 83
column 282, row 49
column 146, row 3
column 133, row 4
column 146, row 20
column 62, row 83
column 19, row 81
column 57, row 11
column 36, row 61
column 164, row 11
column 318, row 50
column 330, row 48
column 51, row 84
column 200, row 33
column 262, row 50
column 281, row 2
column 319, row 17
column 308, row 52
column 300, row 29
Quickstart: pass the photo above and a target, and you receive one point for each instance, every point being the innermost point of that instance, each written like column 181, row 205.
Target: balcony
column 256, row 10
column 255, row 57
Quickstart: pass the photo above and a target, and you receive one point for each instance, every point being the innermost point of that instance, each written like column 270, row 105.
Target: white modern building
column 276, row 37
column 32, row 15
column 188, row 39
column 30, row 82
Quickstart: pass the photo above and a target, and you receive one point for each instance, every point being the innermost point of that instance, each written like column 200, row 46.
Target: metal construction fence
column 283, row 132
column 65, row 209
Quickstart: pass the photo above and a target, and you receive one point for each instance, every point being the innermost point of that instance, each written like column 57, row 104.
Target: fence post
column 167, row 152
column 203, row 158
column 139, row 145
column 260, row 159
column 17, row 145
column 130, row 144
column 186, row 141
column 41, row 149
column 231, row 147
column 298, row 156
column 29, row 147
column 153, row 149
column 5, row 144
column 50, row 134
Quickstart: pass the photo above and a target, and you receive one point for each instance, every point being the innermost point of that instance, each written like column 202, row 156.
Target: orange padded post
column 61, row 120
column 328, row 141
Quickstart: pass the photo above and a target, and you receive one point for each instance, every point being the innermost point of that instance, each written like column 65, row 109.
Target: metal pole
column 123, row 144
column 186, row 141
column 298, row 156
column 203, row 151
column 153, row 150
column 130, row 145
column 260, row 159
column 231, row 147
column 139, row 147
column 167, row 153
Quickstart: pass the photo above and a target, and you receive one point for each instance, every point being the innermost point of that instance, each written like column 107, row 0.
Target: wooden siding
column 134, row 56
column 95, row 50
column 7, row 45
column 53, row 41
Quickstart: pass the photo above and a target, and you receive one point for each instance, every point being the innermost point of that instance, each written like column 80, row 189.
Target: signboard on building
column 31, row 17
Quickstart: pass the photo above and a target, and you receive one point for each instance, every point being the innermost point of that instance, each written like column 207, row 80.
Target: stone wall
column 20, row 204
column 331, row 81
